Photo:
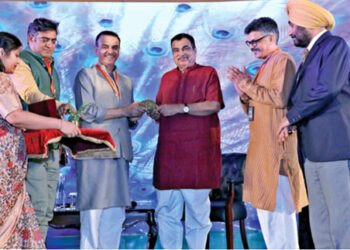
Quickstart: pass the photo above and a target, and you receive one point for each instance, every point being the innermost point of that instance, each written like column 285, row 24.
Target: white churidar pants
column 101, row 228
column 279, row 228
column 169, row 213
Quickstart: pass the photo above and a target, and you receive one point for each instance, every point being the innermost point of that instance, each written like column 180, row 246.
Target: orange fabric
column 257, row 75
column 266, row 157
column 49, row 69
column 113, row 85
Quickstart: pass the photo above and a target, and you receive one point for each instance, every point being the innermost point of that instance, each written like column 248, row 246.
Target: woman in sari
column 18, row 225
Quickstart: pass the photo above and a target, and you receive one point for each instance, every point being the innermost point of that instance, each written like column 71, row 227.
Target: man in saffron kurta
column 273, row 180
column 188, row 158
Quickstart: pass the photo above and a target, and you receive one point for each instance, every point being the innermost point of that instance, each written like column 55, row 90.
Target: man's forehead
column 181, row 43
column 48, row 33
column 108, row 40
column 255, row 34
column 108, row 44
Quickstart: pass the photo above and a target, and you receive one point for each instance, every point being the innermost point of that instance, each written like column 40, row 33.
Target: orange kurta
column 266, row 157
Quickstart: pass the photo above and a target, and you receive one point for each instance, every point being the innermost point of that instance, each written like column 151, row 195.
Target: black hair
column 8, row 42
column 106, row 33
column 265, row 25
column 181, row 36
column 42, row 24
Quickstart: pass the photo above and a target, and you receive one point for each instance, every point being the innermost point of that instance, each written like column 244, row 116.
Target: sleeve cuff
column 293, row 116
column 244, row 84
column 132, row 125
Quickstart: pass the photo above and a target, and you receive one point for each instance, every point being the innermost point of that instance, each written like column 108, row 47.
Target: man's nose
column 50, row 44
column 110, row 50
column 182, row 52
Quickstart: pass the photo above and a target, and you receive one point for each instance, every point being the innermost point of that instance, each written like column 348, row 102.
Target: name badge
column 251, row 113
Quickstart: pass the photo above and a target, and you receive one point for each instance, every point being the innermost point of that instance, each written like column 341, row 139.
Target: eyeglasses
column 255, row 42
column 46, row 40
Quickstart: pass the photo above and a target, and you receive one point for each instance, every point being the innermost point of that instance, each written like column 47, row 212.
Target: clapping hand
column 236, row 76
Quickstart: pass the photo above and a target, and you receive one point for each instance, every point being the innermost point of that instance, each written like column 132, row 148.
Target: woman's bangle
column 244, row 101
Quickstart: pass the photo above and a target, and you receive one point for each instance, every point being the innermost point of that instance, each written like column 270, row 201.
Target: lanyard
column 262, row 66
column 49, row 69
column 110, row 81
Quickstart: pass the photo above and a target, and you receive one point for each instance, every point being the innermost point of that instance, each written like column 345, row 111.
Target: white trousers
column 279, row 227
column 101, row 228
column 169, row 212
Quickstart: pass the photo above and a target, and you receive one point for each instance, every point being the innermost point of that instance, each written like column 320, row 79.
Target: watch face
column 186, row 109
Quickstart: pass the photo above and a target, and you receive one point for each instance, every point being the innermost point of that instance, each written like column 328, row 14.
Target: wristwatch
column 186, row 109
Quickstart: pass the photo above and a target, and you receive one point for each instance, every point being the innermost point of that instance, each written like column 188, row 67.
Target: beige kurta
column 266, row 157
column 25, row 85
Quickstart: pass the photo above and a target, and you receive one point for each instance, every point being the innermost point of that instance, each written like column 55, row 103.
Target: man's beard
column 302, row 39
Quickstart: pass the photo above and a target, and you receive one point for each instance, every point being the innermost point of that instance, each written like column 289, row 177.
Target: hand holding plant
column 149, row 105
column 75, row 115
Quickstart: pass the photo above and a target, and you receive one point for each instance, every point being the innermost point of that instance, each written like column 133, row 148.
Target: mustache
column 111, row 54
column 183, row 57
column 254, row 49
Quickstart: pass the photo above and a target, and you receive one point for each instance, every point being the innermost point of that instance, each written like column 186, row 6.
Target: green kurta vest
column 40, row 73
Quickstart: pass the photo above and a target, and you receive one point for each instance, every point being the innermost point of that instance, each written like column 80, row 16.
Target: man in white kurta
column 103, row 189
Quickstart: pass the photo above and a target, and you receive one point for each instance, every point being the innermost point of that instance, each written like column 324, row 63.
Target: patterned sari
column 18, row 224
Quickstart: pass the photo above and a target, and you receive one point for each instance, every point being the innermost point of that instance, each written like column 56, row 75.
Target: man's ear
column 95, row 48
column 2, row 52
column 31, row 38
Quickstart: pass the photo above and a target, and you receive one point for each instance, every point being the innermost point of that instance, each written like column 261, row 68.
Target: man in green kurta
column 36, row 79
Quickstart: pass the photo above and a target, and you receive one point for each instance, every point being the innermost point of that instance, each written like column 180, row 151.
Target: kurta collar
column 38, row 57
column 189, row 68
column 105, row 69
